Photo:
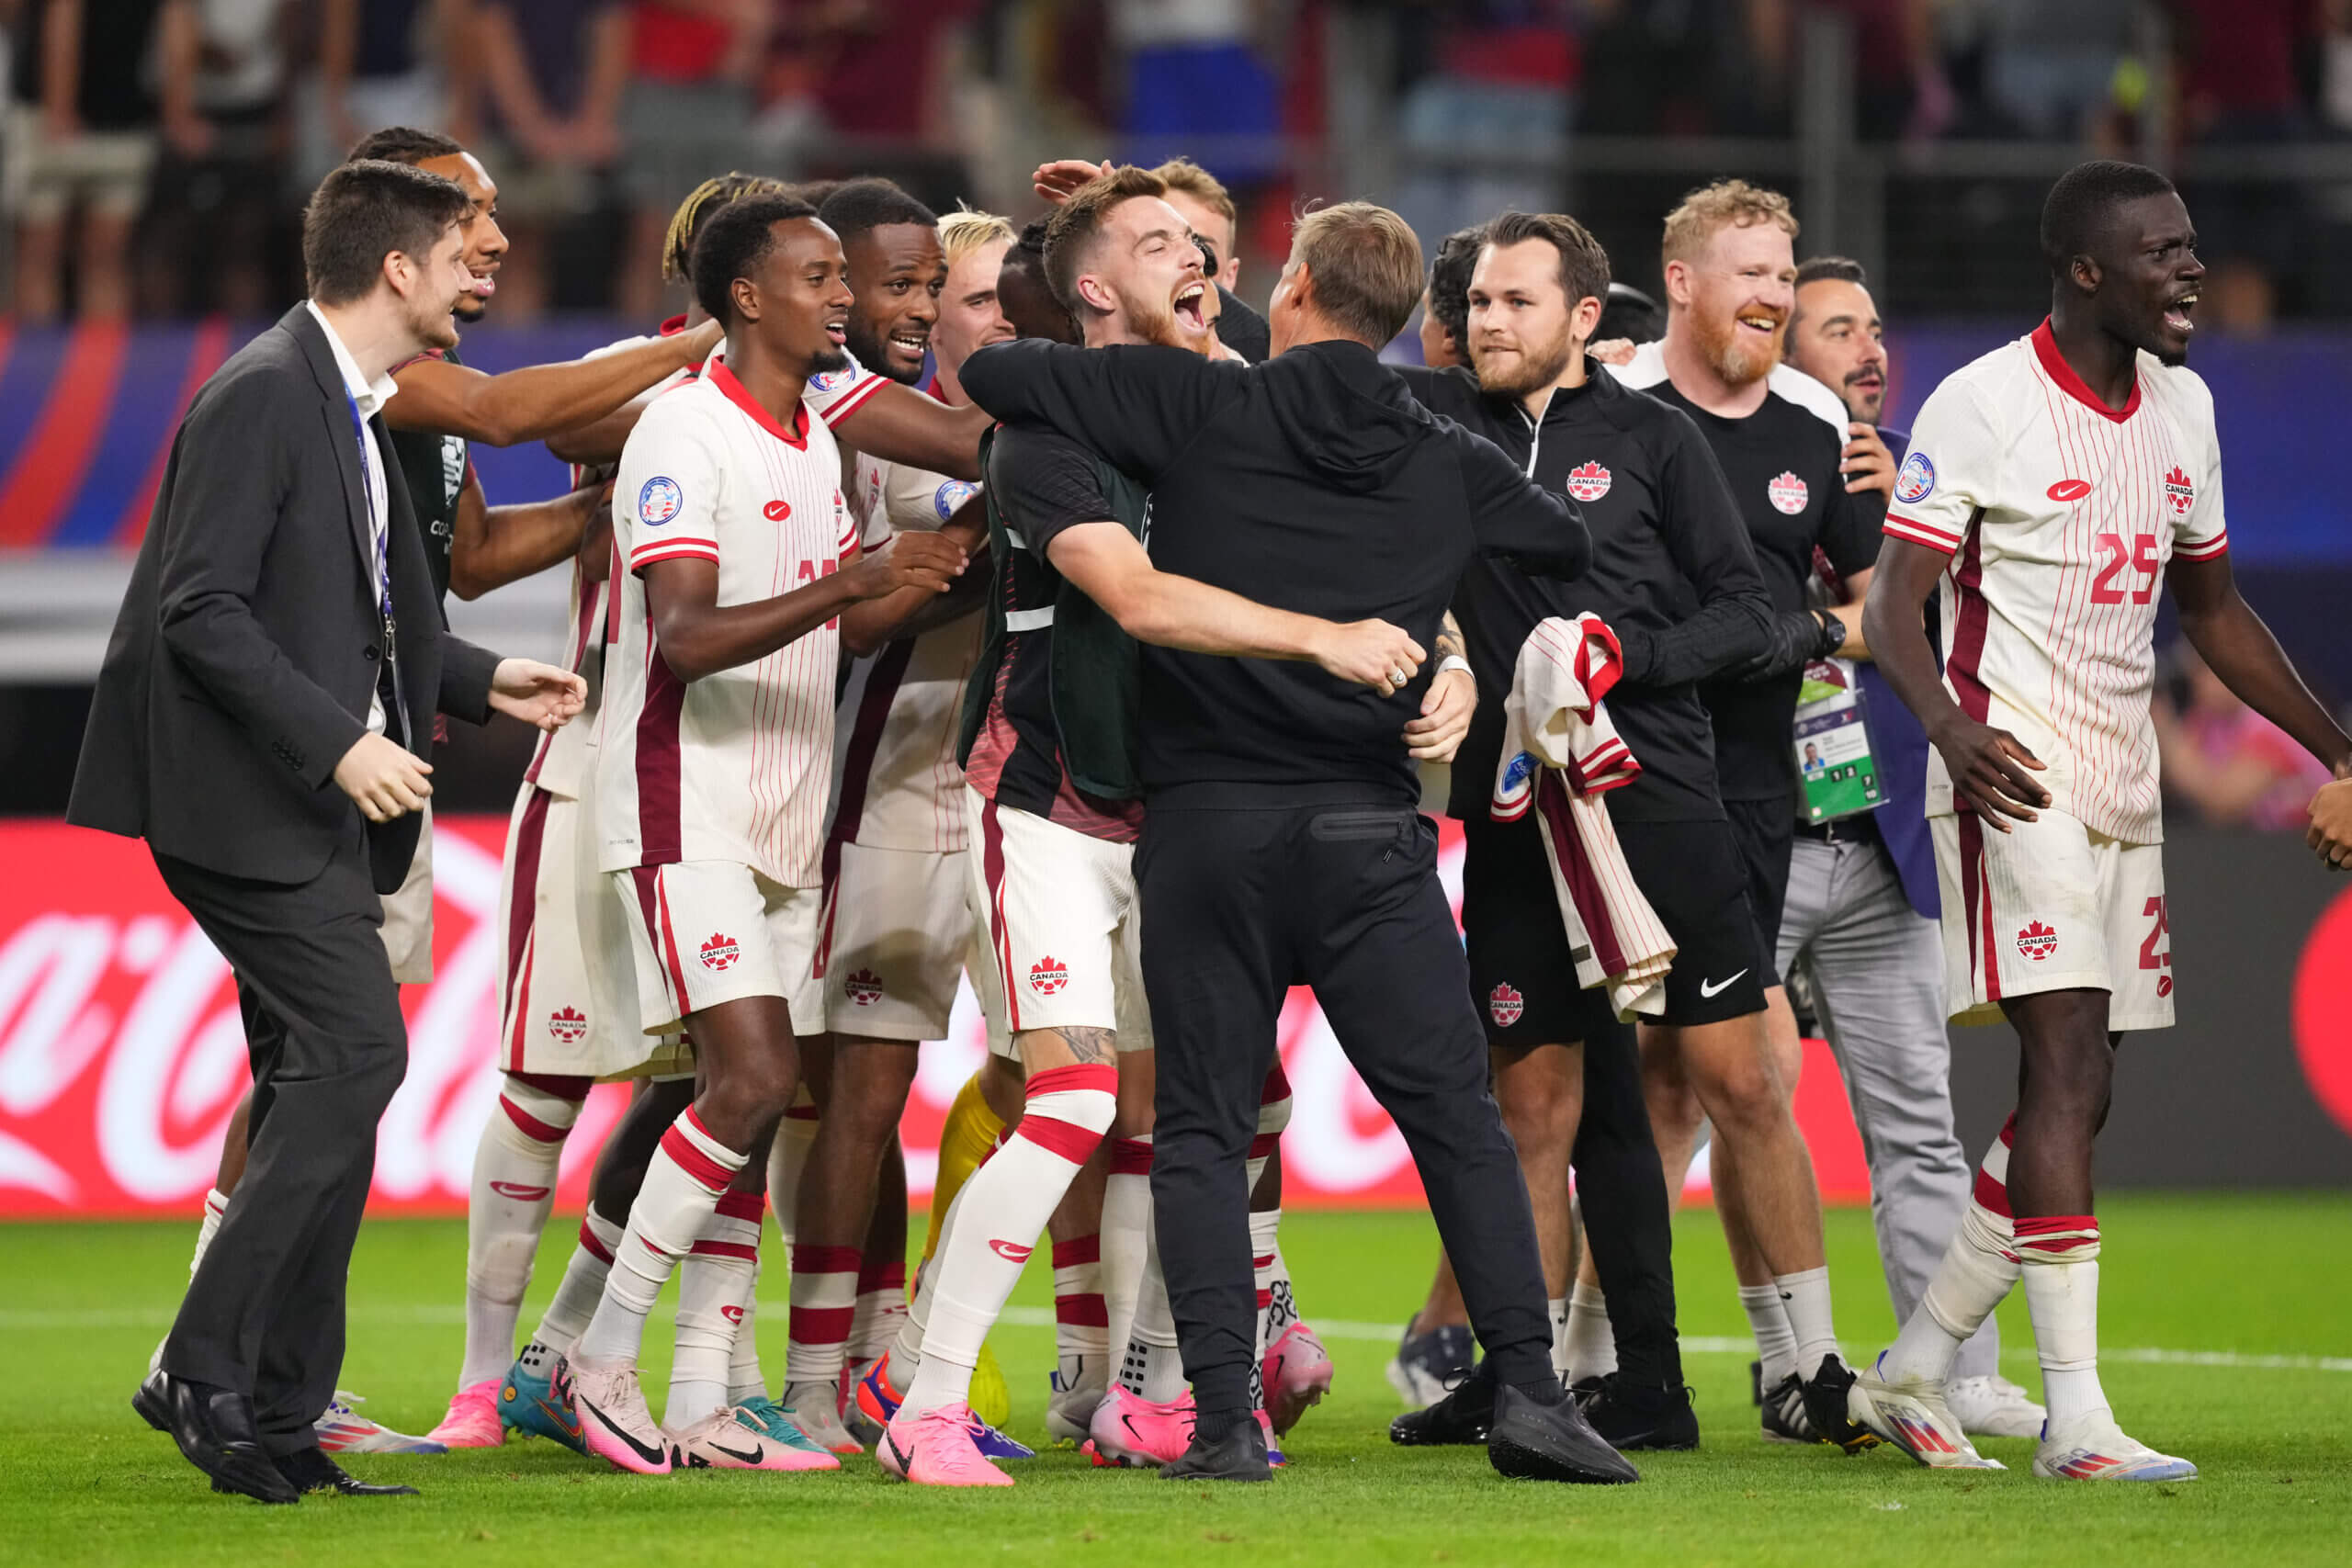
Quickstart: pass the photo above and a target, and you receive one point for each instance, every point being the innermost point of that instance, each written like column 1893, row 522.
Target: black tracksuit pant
column 1621, row 1188
column 264, row 1314
column 1246, row 893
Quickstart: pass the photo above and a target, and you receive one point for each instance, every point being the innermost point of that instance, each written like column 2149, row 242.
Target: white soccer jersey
column 732, row 767
column 2060, row 514
column 896, row 784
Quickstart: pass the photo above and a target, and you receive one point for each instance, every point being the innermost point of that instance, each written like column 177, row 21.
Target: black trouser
column 264, row 1314
column 1240, row 903
column 1621, row 1190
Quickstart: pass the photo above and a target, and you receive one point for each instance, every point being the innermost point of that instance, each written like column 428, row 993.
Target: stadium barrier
column 121, row 1054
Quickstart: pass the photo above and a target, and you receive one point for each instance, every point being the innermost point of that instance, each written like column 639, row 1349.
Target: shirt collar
column 368, row 397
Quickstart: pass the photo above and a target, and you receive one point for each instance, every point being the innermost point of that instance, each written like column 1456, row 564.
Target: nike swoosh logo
column 1011, row 1251
column 518, row 1191
column 568, row 1420
column 753, row 1457
column 1717, row 987
column 652, row 1456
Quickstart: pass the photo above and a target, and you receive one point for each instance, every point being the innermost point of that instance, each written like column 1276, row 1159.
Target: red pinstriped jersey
column 734, row 766
column 2060, row 515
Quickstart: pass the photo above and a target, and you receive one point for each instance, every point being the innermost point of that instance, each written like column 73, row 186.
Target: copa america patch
column 951, row 495
column 1915, row 478
column 833, row 381
column 1519, row 770
column 660, row 501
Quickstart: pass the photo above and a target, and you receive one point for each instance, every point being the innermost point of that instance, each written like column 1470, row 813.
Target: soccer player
column 1780, row 436
column 1860, row 919
column 2052, row 488
column 715, row 745
column 1675, row 578
column 896, row 929
column 1052, row 802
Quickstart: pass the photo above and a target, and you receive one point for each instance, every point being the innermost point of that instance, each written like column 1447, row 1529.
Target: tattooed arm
column 1447, row 706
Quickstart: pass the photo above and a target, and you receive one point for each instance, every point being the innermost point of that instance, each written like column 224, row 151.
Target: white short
column 1062, row 921
column 552, row 1018
column 896, row 934
column 703, row 932
column 408, row 914
column 2052, row 905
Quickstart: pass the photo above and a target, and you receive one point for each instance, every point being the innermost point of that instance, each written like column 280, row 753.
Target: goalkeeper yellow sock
column 968, row 1138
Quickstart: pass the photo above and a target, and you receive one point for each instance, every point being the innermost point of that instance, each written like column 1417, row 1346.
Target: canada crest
column 1505, row 1005
column 719, row 954
column 2036, row 941
column 1787, row 493
column 2179, row 492
column 865, row 987
column 1588, row 482
column 567, row 1024
column 1047, row 976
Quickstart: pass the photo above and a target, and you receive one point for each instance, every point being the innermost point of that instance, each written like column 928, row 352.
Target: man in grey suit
column 280, row 636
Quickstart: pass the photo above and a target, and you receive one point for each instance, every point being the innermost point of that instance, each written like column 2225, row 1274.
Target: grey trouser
column 1877, row 970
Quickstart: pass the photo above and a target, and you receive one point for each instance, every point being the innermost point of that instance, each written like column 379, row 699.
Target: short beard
column 1854, row 404
column 437, row 329
column 470, row 307
column 1536, row 371
column 872, row 353
column 827, row 361
column 1729, row 359
column 1154, row 320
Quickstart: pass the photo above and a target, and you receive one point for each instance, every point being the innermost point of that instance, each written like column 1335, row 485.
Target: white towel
column 1561, row 754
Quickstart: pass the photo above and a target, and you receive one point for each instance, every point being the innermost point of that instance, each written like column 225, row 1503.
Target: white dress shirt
column 368, row 397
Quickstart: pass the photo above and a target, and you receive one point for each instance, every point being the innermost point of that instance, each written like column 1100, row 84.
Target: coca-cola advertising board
column 122, row 1056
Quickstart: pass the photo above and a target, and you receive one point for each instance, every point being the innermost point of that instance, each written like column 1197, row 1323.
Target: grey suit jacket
column 249, row 643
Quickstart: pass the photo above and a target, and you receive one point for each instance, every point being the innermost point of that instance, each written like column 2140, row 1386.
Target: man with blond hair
column 1282, row 840
column 1779, row 437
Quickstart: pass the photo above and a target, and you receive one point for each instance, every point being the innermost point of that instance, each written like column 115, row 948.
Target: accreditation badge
column 1836, row 773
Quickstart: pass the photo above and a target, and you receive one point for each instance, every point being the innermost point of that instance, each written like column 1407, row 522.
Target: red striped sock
column 1081, row 1321
column 715, row 1282
column 824, row 1307
column 683, row 1183
column 881, row 1302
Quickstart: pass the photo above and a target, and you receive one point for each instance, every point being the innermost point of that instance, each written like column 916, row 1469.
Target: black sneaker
column 1241, row 1456
column 1785, row 1420
column 1461, row 1417
column 1636, row 1416
column 1755, row 1383
column 1426, row 1365
column 1825, row 1407
column 1551, row 1442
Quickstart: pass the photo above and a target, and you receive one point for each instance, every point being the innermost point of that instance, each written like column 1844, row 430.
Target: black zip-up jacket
column 1315, row 484
column 1666, row 534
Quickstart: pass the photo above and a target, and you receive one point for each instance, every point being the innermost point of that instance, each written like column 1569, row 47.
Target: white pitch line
column 1040, row 1318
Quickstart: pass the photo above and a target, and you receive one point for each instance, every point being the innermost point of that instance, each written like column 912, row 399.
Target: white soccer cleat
column 1911, row 1413
column 815, row 1408
column 2092, row 1448
column 342, row 1430
column 722, row 1441
column 1069, row 1412
column 614, row 1420
column 1993, row 1407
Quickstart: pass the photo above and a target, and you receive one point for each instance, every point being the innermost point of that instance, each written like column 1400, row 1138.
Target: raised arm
column 1138, row 407
column 493, row 545
column 538, row 400
column 900, row 424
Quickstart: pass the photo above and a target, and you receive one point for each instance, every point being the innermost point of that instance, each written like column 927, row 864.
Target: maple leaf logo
column 1505, row 1005
column 2036, row 941
column 1590, row 481
column 1047, row 976
column 719, row 954
column 567, row 1024
column 2179, row 492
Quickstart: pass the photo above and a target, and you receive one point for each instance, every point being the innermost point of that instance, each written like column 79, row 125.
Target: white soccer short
column 408, row 914
column 1063, row 923
column 703, row 932
column 554, row 1017
column 897, row 933
column 2051, row 906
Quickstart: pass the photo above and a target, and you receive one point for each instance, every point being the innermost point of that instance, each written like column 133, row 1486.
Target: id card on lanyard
column 1837, row 776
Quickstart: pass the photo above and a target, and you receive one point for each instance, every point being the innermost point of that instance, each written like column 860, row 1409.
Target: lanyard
column 367, row 494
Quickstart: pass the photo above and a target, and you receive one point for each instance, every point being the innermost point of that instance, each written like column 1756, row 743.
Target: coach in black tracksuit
column 1674, row 577
column 1281, row 840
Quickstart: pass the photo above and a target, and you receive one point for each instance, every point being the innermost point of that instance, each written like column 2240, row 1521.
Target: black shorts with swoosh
column 1522, row 978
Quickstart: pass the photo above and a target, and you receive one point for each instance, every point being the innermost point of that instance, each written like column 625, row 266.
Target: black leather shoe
column 1461, row 1417
column 1639, row 1415
column 309, row 1470
column 214, row 1429
column 1241, row 1456
column 1551, row 1442
column 152, row 1402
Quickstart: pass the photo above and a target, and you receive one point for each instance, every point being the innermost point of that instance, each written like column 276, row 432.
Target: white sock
column 1776, row 1340
column 881, row 1308
column 506, row 1208
column 583, row 1284
column 1978, row 1271
column 1558, row 1309
column 1805, row 1295
column 1277, row 1309
column 1082, row 1323
column 715, row 1282
column 787, row 1157
column 1153, row 1367
column 216, row 1203
column 906, row 1352
column 683, row 1184
column 824, row 1305
column 744, row 1379
column 1591, row 1342
column 1126, row 1233
column 2060, row 1256
column 1005, row 1205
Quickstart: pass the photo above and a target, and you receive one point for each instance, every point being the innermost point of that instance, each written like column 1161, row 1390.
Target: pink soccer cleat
column 724, row 1440
column 937, row 1447
column 614, row 1419
column 1297, row 1374
column 472, row 1421
column 1129, row 1429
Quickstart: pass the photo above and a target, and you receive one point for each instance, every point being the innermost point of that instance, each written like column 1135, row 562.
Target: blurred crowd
column 155, row 152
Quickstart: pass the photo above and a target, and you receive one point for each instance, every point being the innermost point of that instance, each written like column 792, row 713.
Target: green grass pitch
column 2264, row 1280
